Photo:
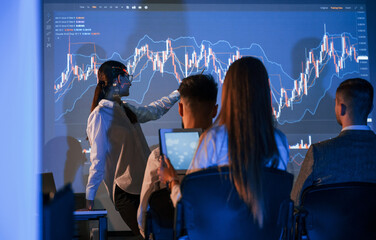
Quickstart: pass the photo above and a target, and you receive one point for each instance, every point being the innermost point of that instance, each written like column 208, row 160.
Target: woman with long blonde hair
column 243, row 136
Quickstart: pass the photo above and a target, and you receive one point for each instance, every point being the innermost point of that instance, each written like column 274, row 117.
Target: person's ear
column 181, row 109
column 343, row 109
column 214, row 111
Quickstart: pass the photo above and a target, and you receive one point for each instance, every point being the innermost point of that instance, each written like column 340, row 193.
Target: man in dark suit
column 349, row 157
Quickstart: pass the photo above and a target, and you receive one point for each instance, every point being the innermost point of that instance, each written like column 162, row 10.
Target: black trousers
column 127, row 204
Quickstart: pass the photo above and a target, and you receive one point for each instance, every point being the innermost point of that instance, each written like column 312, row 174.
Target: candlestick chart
column 307, row 50
column 337, row 54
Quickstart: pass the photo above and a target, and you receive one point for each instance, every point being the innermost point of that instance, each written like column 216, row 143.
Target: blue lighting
column 20, row 118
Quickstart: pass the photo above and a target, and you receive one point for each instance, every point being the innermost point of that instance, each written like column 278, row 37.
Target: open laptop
column 179, row 145
column 49, row 188
column 48, row 184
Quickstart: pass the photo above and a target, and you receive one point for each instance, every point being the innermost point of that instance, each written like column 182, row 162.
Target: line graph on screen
column 336, row 55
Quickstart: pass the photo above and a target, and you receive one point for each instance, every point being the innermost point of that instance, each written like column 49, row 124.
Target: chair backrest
column 210, row 207
column 160, row 216
column 340, row 211
column 58, row 215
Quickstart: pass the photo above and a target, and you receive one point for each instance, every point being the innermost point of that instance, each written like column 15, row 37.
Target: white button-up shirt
column 119, row 150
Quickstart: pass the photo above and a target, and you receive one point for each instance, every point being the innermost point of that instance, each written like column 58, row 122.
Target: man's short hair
column 199, row 88
column 358, row 94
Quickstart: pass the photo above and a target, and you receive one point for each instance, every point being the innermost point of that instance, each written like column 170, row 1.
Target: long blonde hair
column 247, row 115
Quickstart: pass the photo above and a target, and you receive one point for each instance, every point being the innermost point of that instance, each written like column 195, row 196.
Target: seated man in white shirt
column 197, row 107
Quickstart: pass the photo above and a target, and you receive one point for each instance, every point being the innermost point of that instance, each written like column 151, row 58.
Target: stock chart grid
column 307, row 54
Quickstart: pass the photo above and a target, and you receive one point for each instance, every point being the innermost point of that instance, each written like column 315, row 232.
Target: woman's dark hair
column 246, row 112
column 107, row 72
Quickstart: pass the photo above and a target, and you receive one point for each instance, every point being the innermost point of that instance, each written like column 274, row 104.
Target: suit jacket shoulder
column 351, row 156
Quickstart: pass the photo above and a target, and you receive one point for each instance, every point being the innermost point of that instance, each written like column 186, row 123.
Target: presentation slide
column 308, row 49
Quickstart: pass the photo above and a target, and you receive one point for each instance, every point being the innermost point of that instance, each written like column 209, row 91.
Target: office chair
column 338, row 211
column 210, row 207
column 58, row 215
column 160, row 216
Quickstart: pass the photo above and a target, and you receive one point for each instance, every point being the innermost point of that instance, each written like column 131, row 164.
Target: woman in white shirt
column 243, row 136
column 119, row 150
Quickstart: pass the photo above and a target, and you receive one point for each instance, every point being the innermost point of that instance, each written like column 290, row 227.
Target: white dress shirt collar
column 356, row 127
